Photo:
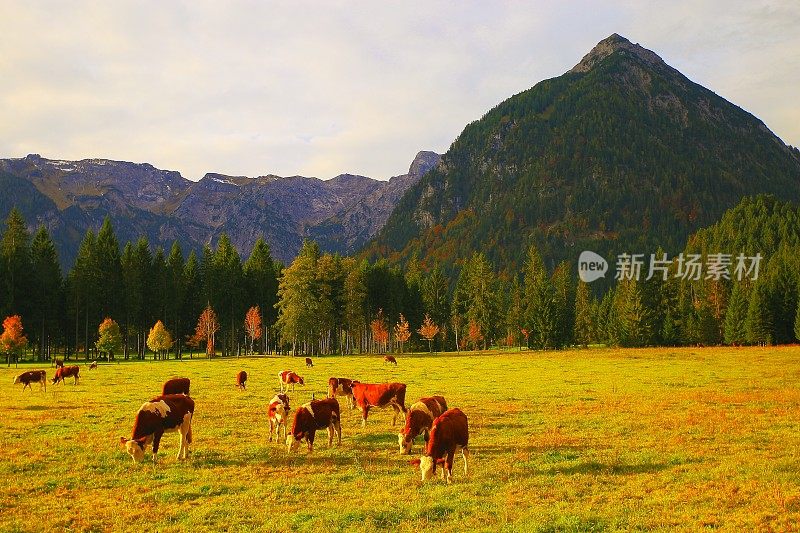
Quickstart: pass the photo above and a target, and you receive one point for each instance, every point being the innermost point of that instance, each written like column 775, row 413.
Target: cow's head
column 134, row 447
column 293, row 442
column 16, row 380
column 300, row 380
column 427, row 466
column 285, row 401
column 405, row 443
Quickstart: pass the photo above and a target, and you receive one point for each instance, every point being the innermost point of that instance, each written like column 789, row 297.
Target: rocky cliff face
column 73, row 196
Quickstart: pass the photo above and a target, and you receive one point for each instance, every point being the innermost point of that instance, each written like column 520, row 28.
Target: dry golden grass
column 585, row 440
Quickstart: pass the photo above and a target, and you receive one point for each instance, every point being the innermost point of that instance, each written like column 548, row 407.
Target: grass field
column 586, row 440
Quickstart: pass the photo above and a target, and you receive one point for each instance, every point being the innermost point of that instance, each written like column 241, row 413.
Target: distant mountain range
column 70, row 197
column 623, row 153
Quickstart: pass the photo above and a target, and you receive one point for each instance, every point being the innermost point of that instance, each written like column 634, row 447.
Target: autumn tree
column 252, row 325
column 474, row 335
column 380, row 334
column 428, row 330
column 206, row 330
column 13, row 341
column 401, row 331
column 159, row 339
column 110, row 338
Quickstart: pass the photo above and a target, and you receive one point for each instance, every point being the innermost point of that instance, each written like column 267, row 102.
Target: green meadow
column 582, row 440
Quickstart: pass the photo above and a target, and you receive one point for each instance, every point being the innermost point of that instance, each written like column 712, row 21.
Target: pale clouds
column 319, row 88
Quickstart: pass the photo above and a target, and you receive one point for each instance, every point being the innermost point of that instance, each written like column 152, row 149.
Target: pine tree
column 584, row 326
column 564, row 300
column 541, row 313
column 297, row 300
column 736, row 316
column 109, row 300
column 46, row 295
column 261, row 282
column 15, row 255
column 176, row 294
column 355, row 306
column 758, row 324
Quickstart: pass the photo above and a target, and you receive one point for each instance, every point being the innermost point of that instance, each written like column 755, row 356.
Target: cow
column 381, row 395
column 278, row 414
column 162, row 414
column 389, row 359
column 176, row 386
column 287, row 377
column 59, row 363
column 449, row 434
column 309, row 362
column 341, row 387
column 419, row 419
column 316, row 414
column 241, row 380
column 65, row 372
column 32, row 376
column 93, row 366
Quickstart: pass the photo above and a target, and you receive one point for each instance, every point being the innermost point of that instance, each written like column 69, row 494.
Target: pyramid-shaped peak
column 611, row 44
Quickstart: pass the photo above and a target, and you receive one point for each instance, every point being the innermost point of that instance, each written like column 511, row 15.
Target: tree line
column 321, row 303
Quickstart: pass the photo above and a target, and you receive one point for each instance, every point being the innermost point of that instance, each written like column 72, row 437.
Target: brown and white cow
column 32, row 376
column 287, row 377
column 278, row 414
column 241, row 380
column 341, row 387
column 309, row 362
column 162, row 414
column 316, row 414
column 449, row 434
column 419, row 420
column 389, row 359
column 380, row 395
column 93, row 366
column 176, row 386
column 65, row 372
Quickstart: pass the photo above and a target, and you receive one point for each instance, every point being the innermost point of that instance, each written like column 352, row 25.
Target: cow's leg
column 448, row 465
column 271, row 424
column 26, row 385
column 156, row 442
column 339, row 430
column 465, row 454
column 396, row 409
column 331, row 431
column 310, row 439
column 364, row 413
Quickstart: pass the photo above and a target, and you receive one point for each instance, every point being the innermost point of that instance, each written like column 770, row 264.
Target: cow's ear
column 439, row 461
column 414, row 462
column 122, row 441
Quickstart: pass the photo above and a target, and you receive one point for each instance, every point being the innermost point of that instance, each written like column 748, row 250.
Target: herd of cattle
column 444, row 430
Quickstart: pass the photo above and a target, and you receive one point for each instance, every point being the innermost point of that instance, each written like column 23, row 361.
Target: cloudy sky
column 320, row 88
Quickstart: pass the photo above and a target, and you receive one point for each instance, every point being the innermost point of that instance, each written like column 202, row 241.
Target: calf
column 389, row 359
column 278, row 413
column 381, row 395
column 317, row 414
column 176, row 386
column 93, row 366
column 32, row 376
column 241, row 380
column 162, row 414
column 309, row 362
column 341, row 387
column 65, row 372
column 450, row 433
column 287, row 377
column 419, row 420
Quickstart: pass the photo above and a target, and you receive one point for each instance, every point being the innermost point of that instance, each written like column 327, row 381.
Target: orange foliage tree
column 207, row 327
column 379, row 332
column 252, row 325
column 428, row 330
column 401, row 331
column 474, row 335
column 13, row 340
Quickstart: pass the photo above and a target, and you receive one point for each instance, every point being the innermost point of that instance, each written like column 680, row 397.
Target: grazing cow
column 341, row 387
column 65, row 372
column 176, row 386
column 93, row 366
column 316, row 414
column 419, row 420
column 449, row 434
column 32, row 376
column 278, row 413
column 389, row 359
column 162, row 414
column 287, row 377
column 381, row 395
column 241, row 380
column 309, row 362
column 59, row 363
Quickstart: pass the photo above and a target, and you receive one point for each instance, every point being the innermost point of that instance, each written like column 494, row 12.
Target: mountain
column 623, row 153
column 70, row 197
